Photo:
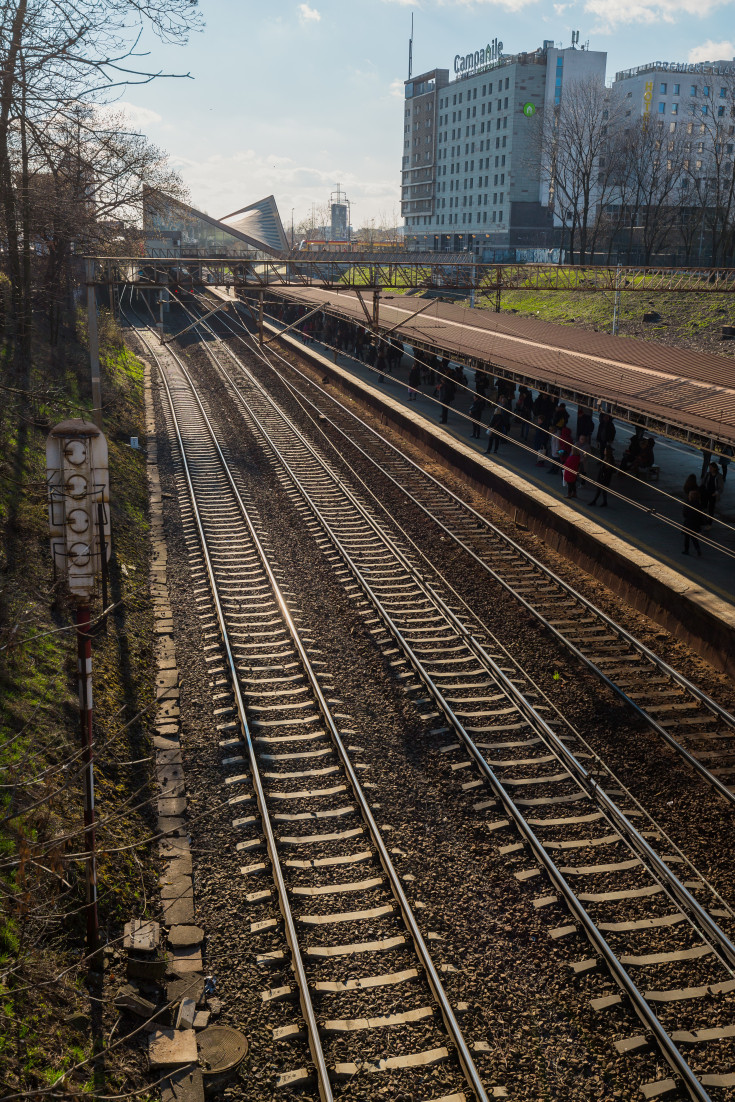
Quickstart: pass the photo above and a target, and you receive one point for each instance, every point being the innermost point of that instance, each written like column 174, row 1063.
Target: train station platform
column 628, row 545
column 637, row 510
column 686, row 395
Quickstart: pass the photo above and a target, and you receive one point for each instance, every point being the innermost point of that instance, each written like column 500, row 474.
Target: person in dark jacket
column 605, row 432
column 710, row 489
column 605, row 469
column 494, row 432
column 445, row 393
column 414, row 381
column 476, row 414
column 585, row 423
column 692, row 522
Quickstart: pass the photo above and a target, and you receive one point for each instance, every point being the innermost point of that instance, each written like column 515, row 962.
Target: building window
column 676, row 89
column 692, row 89
column 705, row 90
column 720, row 112
column 662, row 108
column 674, row 108
column 723, row 93
column 662, row 89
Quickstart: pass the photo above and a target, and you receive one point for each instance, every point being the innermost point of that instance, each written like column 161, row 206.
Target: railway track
column 337, row 914
column 671, row 961
column 687, row 719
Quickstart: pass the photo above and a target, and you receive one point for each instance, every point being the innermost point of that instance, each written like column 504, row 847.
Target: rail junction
column 637, row 909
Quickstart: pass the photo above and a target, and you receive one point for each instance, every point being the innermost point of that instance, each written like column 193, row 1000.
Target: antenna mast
column 410, row 51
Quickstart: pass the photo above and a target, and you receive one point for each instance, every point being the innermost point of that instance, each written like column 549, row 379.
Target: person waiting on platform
column 605, row 432
column 692, row 513
column 605, row 470
column 712, row 486
column 645, row 458
column 633, row 450
column 570, row 474
column 476, row 414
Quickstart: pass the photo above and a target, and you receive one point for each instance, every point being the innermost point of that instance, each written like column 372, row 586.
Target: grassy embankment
column 49, row 1016
column 687, row 319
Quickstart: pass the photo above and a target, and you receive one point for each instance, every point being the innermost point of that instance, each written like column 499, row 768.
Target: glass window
column 692, row 90
column 662, row 89
column 676, row 89
column 705, row 90
column 723, row 93
column 720, row 112
column 674, row 108
column 704, row 109
column 662, row 108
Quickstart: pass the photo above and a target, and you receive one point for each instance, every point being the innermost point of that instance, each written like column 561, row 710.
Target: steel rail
column 465, row 1058
column 381, row 505
column 675, row 889
column 307, row 1008
column 672, row 1055
column 704, row 699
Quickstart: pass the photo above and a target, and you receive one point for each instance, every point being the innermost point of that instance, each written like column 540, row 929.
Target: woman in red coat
column 571, row 472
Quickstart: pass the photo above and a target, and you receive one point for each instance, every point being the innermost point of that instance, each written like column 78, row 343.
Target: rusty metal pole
column 84, row 667
column 260, row 319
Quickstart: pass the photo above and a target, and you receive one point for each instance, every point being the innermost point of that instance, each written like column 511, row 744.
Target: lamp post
column 292, row 237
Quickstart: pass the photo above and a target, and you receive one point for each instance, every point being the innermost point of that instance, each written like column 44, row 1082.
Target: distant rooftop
column 711, row 68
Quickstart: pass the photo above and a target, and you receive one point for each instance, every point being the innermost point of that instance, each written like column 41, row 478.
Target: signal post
column 79, row 524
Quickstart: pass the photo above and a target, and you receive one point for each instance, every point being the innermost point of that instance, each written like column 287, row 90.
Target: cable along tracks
column 333, row 875
column 689, row 721
column 673, row 964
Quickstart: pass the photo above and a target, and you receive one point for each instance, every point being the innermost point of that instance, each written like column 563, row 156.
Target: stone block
column 182, row 937
column 141, row 935
column 172, row 1047
column 184, row 1086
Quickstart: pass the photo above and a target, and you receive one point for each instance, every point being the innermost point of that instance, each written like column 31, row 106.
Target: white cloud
column 308, row 15
column 712, row 51
column 405, row 3
column 613, row 13
column 507, row 5
column 220, row 183
column 396, row 88
column 559, row 9
column 136, row 117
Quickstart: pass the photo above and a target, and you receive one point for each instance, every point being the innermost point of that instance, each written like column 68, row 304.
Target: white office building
column 471, row 173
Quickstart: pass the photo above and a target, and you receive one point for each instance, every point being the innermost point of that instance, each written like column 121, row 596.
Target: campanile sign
column 472, row 63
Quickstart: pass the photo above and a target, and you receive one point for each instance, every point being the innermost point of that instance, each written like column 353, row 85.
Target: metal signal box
column 79, row 503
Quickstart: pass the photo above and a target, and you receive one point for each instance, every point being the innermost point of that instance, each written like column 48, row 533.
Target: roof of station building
column 259, row 222
column 257, row 225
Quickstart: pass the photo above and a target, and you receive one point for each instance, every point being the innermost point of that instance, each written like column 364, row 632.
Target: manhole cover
column 221, row 1048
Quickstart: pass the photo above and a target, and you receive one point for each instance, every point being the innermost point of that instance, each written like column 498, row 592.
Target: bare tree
column 55, row 54
column 709, row 161
column 577, row 159
column 652, row 163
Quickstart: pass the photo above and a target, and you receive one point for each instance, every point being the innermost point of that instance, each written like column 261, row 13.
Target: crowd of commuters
column 542, row 422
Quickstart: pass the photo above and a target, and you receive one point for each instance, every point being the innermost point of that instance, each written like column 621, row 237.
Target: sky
column 293, row 99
